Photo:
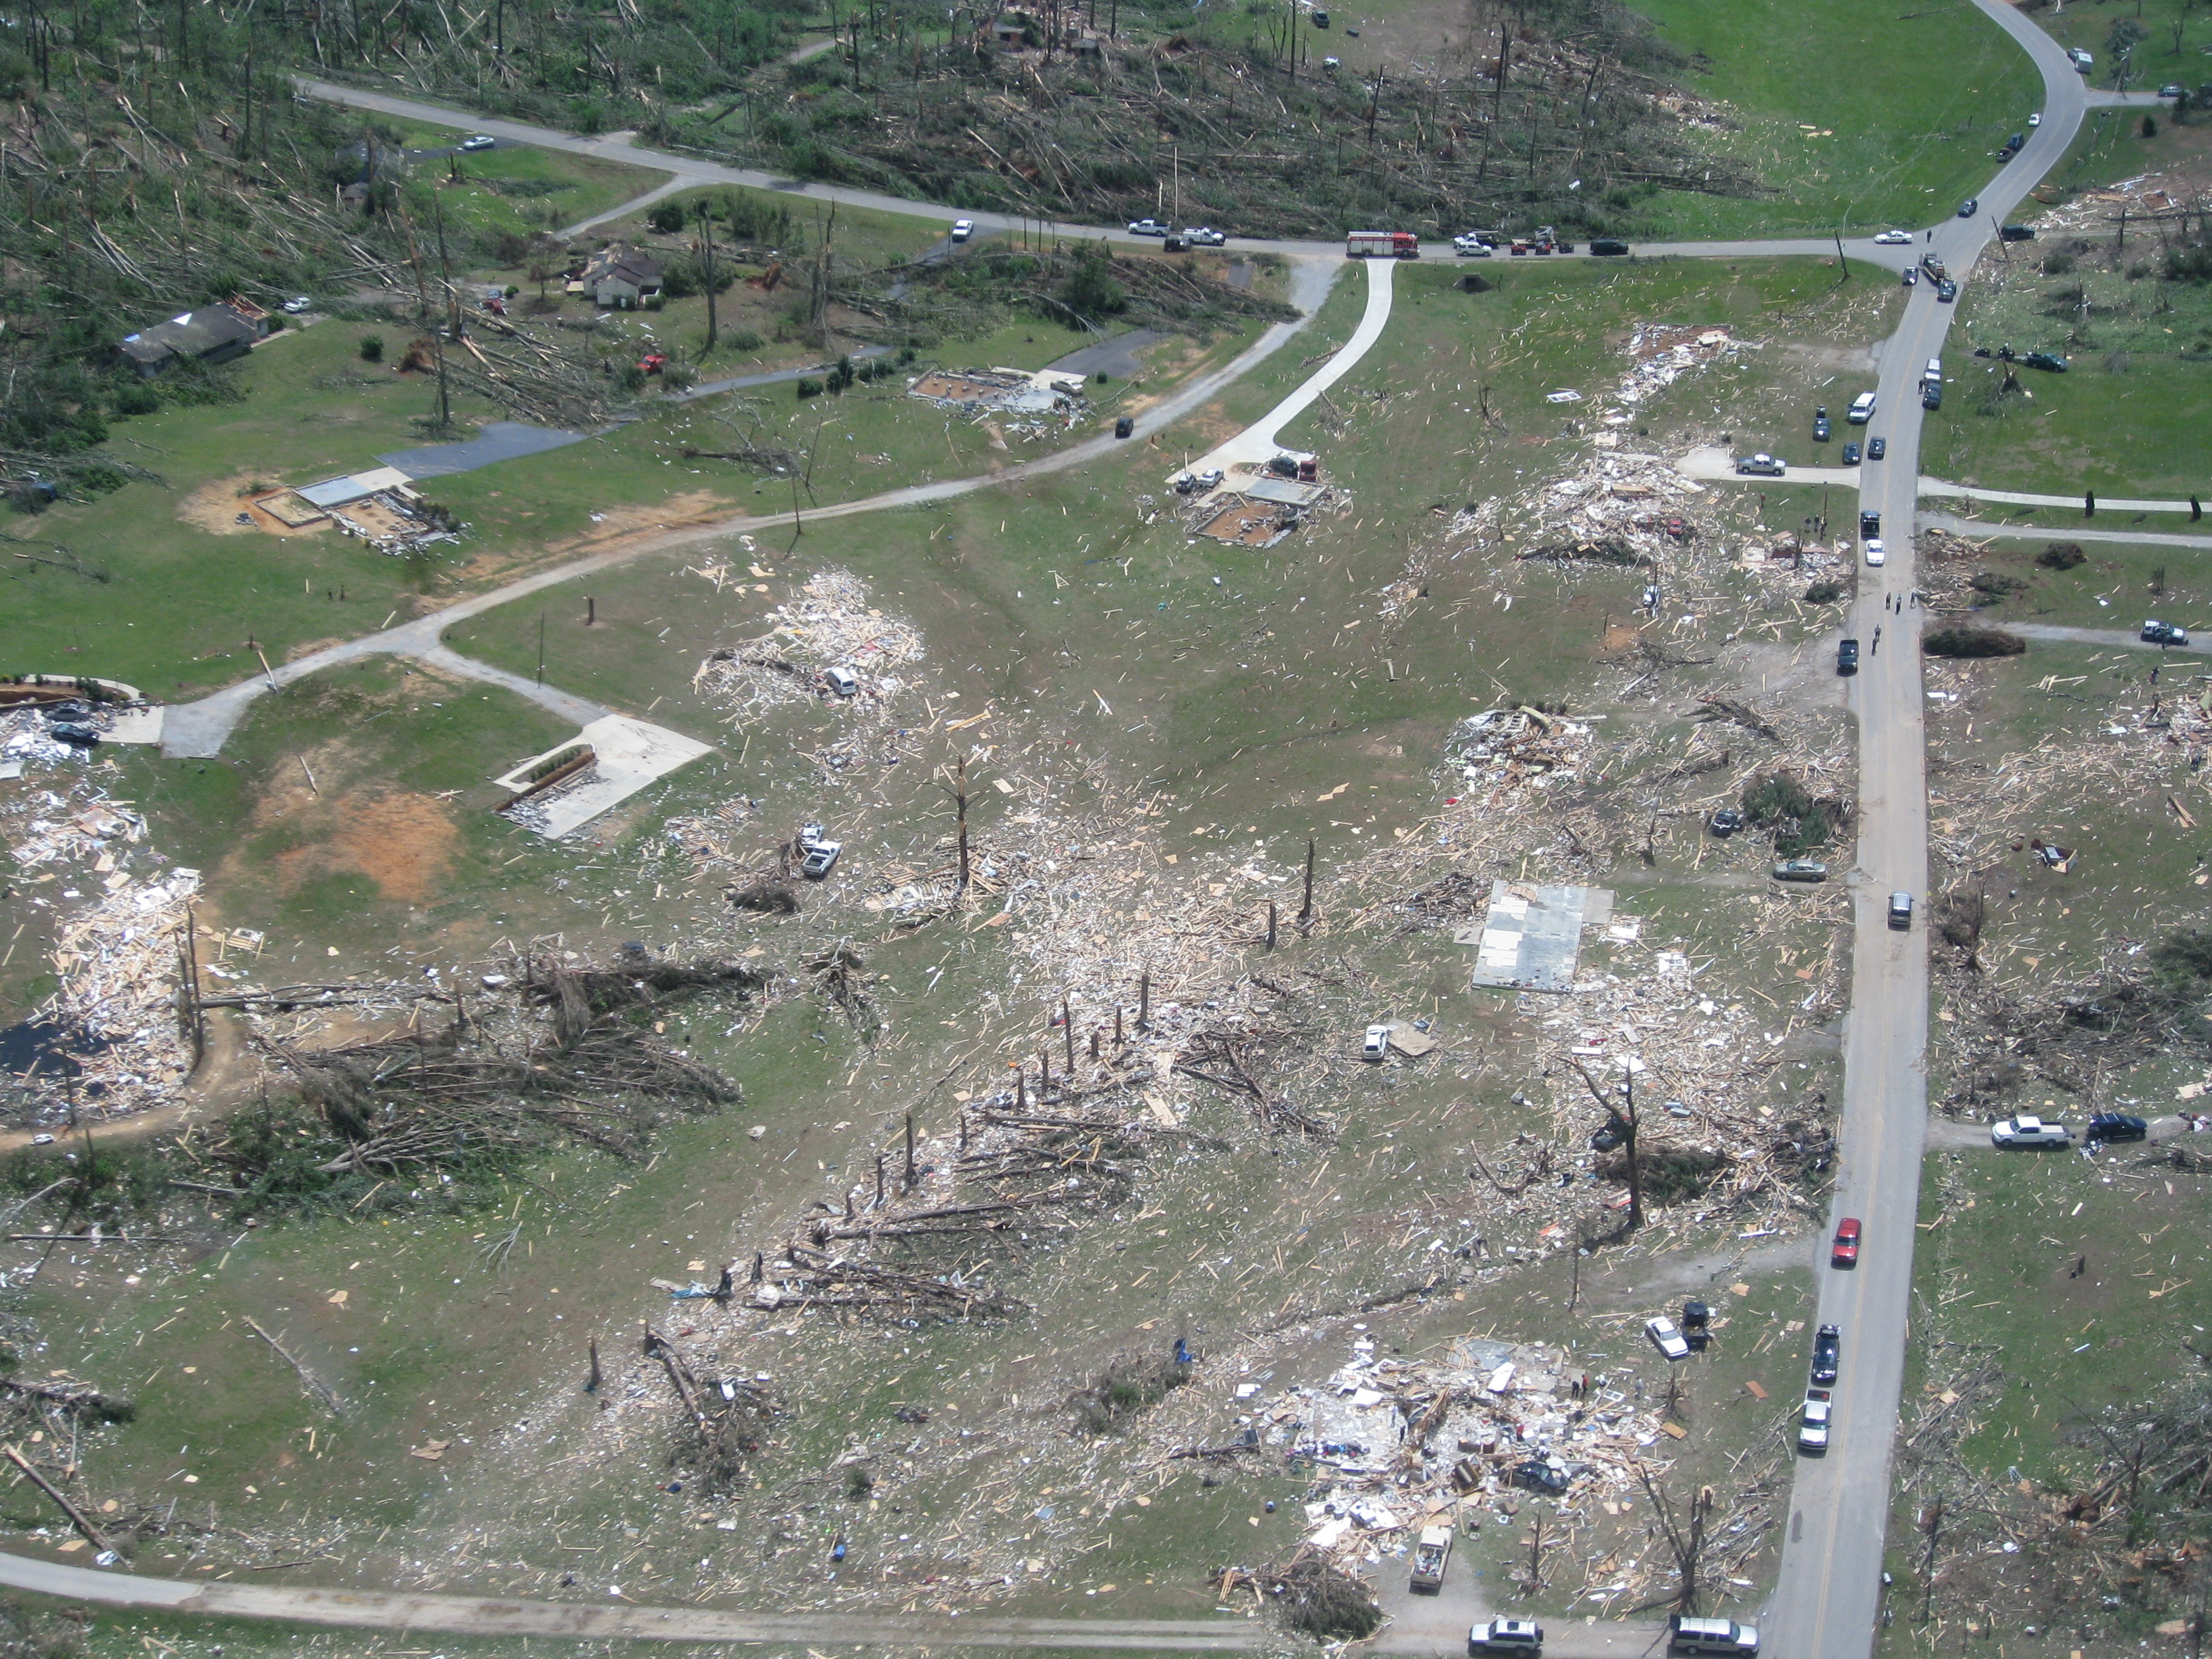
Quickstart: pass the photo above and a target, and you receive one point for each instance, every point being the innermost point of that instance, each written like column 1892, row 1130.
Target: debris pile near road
column 1503, row 752
column 121, row 966
column 830, row 625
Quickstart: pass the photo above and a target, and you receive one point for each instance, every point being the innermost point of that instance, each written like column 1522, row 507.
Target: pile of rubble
column 121, row 968
column 1502, row 750
column 832, row 627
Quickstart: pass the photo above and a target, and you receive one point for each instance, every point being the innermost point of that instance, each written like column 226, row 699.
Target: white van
column 1934, row 371
column 1862, row 409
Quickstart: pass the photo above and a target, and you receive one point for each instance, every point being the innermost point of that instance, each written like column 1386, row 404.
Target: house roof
column 353, row 487
column 624, row 265
column 194, row 334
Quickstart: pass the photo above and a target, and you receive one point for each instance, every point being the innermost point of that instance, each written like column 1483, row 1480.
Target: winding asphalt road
column 1828, row 1601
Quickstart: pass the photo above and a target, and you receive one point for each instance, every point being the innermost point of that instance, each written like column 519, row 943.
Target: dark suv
column 1847, row 657
column 2109, row 1126
column 1828, row 1356
column 1869, row 525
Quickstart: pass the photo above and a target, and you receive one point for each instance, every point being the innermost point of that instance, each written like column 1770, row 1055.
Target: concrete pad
column 136, row 725
column 1711, row 463
column 631, row 754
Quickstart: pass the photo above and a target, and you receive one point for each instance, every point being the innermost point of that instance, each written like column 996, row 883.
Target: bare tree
column 1623, row 1116
column 1684, row 1531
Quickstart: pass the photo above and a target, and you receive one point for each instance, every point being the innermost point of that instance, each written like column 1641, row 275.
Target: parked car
column 1535, row 1475
column 1666, row 1337
column 2110, row 1126
column 2162, row 633
column 1506, row 1636
column 1847, row 656
column 1970, row 207
column 1869, row 522
column 1470, row 247
column 1197, row 483
column 75, row 734
column 1801, row 870
column 1726, row 822
column 1852, row 454
column 1612, row 1135
column 2016, row 142
column 841, row 680
column 298, row 303
column 1125, row 426
column 1602, row 245
column 1205, row 236
column 2045, row 361
column 477, row 141
column 820, row 858
column 2036, row 120
column 42, row 1140
column 1813, row 1424
column 1761, row 465
column 1147, row 228
column 2170, row 90
column 1876, row 553
column 1844, row 1251
column 2029, row 1130
column 1946, row 291
column 2016, row 233
column 1900, row 910
column 1931, row 394
column 963, row 230
column 1862, row 409
column 1821, row 427
column 1686, row 1635
column 1827, row 1355
column 1876, row 448
column 1376, row 1044
column 1893, row 238
column 1909, row 275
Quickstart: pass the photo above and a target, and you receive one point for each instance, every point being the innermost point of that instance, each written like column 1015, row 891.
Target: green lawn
column 2124, row 425
column 2172, row 38
column 1855, row 119
column 519, row 187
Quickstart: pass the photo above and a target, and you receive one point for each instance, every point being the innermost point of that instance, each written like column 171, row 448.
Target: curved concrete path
column 1255, row 444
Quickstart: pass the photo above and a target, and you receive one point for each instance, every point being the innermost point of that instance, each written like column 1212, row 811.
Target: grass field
column 519, row 187
column 2172, row 38
column 1898, row 136
column 1257, row 698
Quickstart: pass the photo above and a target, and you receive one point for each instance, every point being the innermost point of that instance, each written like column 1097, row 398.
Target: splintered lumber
column 77, row 1517
column 309, row 1382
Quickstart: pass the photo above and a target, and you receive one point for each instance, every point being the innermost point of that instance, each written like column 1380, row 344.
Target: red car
column 1845, row 1251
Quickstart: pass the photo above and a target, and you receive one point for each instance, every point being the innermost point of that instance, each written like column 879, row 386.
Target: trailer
column 1382, row 244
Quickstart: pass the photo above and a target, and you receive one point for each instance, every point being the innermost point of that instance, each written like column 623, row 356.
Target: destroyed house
column 620, row 277
column 1011, row 30
column 213, row 334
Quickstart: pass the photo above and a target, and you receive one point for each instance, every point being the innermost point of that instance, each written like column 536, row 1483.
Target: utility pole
column 1306, row 910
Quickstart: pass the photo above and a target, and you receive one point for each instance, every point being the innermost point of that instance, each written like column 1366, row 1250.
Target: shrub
column 1824, row 593
column 372, row 348
column 135, row 398
column 2057, row 264
column 1130, row 1383
column 1091, row 289
column 809, row 387
column 1995, row 583
column 2183, row 960
column 744, row 339
column 2062, row 555
column 1965, row 640
column 667, row 217
column 1800, row 823
column 2150, row 126
column 630, row 378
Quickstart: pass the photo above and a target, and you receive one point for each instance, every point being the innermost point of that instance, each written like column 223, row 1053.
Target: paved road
column 1988, row 530
column 1828, row 1602
column 689, row 171
column 491, row 1616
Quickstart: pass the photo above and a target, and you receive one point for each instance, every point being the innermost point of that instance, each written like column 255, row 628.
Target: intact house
column 618, row 278
column 213, row 334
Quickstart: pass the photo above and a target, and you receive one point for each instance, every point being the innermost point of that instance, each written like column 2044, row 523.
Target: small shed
column 1009, row 30
column 353, row 487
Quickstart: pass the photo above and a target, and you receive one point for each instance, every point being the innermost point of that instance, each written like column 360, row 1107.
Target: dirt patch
column 692, row 507
column 229, row 507
column 402, row 841
column 309, row 648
